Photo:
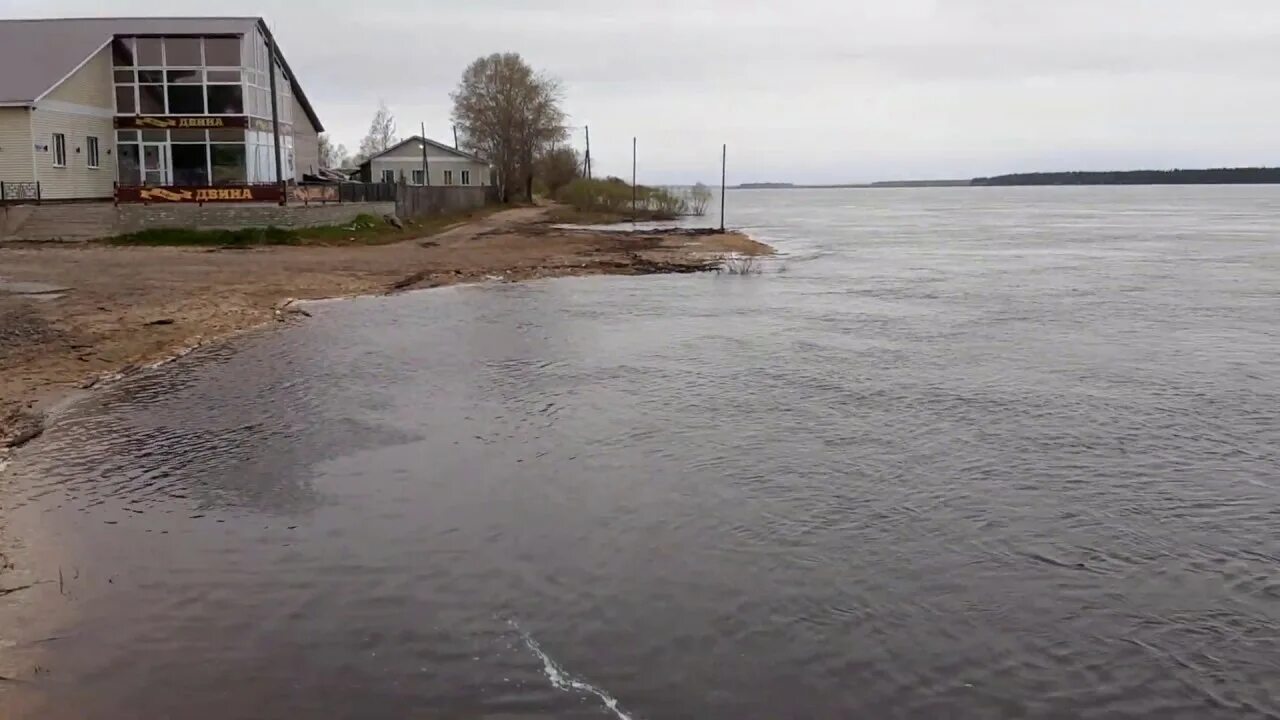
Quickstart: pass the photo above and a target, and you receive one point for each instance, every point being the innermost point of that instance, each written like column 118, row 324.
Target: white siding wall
column 409, row 158
column 306, row 142
column 79, row 108
column 15, row 145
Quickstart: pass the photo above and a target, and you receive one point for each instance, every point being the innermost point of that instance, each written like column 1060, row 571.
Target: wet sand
column 126, row 307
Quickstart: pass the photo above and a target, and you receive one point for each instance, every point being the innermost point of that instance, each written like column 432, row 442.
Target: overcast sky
column 809, row 91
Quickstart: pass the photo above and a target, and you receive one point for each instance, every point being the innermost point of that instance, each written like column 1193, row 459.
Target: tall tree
column 332, row 156
column 508, row 114
column 558, row 167
column 381, row 136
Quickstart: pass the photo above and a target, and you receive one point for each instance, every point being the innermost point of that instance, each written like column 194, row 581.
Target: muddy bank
column 126, row 307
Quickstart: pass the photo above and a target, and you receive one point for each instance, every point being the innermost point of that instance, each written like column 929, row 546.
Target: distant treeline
column 1213, row 176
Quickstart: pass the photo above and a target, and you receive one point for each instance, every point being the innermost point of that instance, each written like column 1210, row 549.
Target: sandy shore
column 124, row 307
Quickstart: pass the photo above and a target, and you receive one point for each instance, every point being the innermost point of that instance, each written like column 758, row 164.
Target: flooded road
column 964, row 453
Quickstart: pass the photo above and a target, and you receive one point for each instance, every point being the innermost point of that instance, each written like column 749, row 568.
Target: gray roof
column 432, row 143
column 39, row 54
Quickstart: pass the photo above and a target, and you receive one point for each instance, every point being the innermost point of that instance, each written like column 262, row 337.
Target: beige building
column 444, row 165
column 148, row 102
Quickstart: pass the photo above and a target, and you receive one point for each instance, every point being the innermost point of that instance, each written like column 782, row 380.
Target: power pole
column 426, row 174
column 455, row 137
column 586, row 163
column 633, row 179
column 724, row 162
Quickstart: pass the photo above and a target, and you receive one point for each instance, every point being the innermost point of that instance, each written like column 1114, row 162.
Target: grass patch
column 245, row 237
column 364, row 229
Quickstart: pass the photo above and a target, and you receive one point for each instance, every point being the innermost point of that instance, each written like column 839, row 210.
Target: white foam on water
column 562, row 680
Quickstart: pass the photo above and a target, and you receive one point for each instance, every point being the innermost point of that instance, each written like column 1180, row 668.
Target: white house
column 404, row 162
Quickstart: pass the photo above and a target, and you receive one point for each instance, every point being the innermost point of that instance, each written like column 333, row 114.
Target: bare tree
column 508, row 114
column 332, row 156
column 381, row 136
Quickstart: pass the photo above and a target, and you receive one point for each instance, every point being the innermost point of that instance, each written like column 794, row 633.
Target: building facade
column 151, row 108
column 445, row 166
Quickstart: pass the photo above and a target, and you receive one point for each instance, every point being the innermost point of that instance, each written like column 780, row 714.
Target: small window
column 222, row 52
column 182, row 51
column 151, row 99
column 225, row 99
column 59, row 150
column 448, row 177
column 126, row 136
column 93, row 152
column 388, row 176
column 417, row 177
column 122, row 52
column 224, row 76
column 124, row 76
column 150, row 51
column 185, row 77
column 126, row 103
column 186, row 100
column 466, row 177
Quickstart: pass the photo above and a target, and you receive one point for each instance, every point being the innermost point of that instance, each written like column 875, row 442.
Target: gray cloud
column 845, row 90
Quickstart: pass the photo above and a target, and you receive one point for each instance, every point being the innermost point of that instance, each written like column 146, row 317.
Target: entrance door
column 155, row 164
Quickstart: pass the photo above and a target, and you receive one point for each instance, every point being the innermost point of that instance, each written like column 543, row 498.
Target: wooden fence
column 415, row 201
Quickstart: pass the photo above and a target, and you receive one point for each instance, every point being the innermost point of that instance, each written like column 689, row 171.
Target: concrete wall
column 85, row 221
column 80, row 107
column 415, row 202
column 15, row 145
column 306, row 143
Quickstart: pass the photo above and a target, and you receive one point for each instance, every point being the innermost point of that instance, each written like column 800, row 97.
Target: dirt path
column 126, row 306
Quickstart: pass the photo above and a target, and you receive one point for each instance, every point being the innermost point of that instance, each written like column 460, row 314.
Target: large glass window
column 125, row 102
column 228, row 163
column 168, row 76
column 190, row 164
column 186, row 100
column 151, row 99
column 150, row 51
column 122, row 52
column 224, row 52
column 182, row 51
column 225, row 99
column 127, row 166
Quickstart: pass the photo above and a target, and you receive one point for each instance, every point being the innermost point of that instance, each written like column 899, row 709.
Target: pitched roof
column 41, row 53
column 432, row 143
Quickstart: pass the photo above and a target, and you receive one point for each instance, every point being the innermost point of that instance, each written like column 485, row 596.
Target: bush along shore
column 128, row 302
column 614, row 200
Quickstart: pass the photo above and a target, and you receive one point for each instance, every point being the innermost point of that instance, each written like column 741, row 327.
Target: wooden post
column 724, row 161
column 275, row 114
column 633, row 179
column 587, row 162
column 455, row 137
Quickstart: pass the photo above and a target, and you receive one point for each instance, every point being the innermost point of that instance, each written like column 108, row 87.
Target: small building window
column 59, row 150
column 93, row 159
column 466, row 177
column 448, row 177
column 388, row 176
column 417, row 177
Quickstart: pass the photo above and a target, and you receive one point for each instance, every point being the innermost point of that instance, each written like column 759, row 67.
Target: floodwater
column 963, row 453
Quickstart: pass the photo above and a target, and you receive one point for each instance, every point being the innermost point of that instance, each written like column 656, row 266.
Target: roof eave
column 293, row 79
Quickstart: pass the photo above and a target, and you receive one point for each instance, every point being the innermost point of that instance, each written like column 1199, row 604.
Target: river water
column 964, row 453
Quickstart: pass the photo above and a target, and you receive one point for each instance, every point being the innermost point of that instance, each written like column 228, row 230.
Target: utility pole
column 633, row 179
column 586, row 164
column 426, row 175
column 275, row 115
column 455, row 137
column 724, row 162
